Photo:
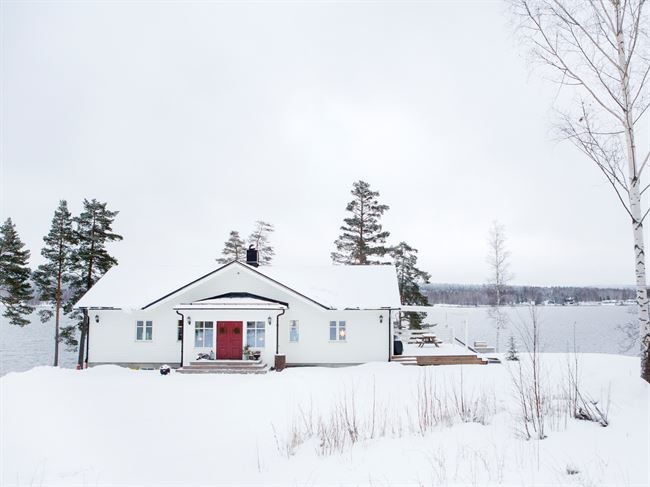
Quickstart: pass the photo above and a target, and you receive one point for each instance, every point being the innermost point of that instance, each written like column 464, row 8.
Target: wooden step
column 191, row 370
column 225, row 367
column 438, row 359
column 247, row 363
column 450, row 360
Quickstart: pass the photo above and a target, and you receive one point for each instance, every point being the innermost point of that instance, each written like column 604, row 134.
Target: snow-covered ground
column 452, row 425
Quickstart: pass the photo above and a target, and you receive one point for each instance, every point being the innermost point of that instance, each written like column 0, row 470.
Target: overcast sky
column 196, row 119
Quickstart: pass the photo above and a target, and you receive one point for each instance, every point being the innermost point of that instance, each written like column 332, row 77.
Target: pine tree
column 409, row 280
column 15, row 288
column 512, row 349
column 90, row 259
column 55, row 272
column 363, row 236
column 233, row 249
column 259, row 239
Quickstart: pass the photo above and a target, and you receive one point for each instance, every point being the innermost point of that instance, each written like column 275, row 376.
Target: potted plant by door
column 246, row 353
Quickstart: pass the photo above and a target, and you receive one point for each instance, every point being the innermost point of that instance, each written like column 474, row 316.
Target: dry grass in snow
column 375, row 424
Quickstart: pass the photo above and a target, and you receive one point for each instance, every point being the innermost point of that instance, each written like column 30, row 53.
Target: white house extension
column 148, row 316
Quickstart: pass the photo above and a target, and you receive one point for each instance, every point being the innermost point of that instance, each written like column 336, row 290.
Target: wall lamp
column 269, row 320
column 96, row 318
column 189, row 320
column 381, row 319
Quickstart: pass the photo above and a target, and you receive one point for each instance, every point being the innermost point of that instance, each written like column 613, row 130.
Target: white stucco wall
column 113, row 339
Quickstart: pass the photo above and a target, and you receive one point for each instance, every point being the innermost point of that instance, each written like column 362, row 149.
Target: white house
column 147, row 316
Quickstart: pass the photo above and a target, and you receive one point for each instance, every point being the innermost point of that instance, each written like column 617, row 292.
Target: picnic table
column 428, row 338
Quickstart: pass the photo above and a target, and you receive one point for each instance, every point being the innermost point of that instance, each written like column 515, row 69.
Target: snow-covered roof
column 336, row 287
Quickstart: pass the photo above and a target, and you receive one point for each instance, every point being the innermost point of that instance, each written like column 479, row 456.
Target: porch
column 232, row 333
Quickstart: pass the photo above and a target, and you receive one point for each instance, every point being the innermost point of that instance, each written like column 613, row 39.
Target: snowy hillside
column 376, row 424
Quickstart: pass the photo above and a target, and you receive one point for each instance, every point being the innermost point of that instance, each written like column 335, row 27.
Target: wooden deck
column 438, row 360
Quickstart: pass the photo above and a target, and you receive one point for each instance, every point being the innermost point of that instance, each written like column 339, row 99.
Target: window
column 255, row 333
column 144, row 331
column 294, row 334
column 337, row 331
column 203, row 334
column 179, row 331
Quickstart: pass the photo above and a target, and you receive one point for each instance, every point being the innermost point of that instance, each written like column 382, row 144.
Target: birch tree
column 498, row 259
column 598, row 52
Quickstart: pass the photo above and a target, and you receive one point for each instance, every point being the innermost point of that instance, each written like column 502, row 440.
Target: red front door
column 229, row 340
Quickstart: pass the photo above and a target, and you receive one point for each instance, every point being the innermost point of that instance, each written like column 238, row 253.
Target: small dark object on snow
column 165, row 369
column 205, row 356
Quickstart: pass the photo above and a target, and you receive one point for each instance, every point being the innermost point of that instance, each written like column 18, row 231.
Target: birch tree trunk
column 601, row 51
column 634, row 194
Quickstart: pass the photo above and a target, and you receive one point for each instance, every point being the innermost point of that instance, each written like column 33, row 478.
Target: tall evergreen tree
column 409, row 280
column 15, row 288
column 56, row 271
column 259, row 239
column 363, row 236
column 233, row 249
column 90, row 259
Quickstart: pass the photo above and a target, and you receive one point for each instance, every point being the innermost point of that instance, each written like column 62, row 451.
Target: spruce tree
column 90, row 259
column 55, row 272
column 15, row 288
column 259, row 239
column 363, row 236
column 409, row 279
column 233, row 249
column 512, row 349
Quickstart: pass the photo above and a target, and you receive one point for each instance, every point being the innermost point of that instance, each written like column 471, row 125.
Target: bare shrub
column 348, row 421
column 288, row 443
column 527, row 381
column 581, row 405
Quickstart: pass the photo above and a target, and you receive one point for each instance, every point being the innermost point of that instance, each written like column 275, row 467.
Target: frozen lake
column 595, row 326
column 29, row 346
column 595, row 329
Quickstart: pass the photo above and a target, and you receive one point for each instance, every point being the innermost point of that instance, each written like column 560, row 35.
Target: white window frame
column 294, row 325
column 144, row 325
column 339, row 326
column 256, row 329
column 202, row 330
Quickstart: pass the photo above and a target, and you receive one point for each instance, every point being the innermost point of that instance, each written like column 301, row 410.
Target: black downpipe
column 277, row 331
column 182, row 334
column 86, row 324
column 390, row 337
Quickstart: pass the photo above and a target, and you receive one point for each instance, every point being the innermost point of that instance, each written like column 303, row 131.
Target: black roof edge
column 223, row 267
column 244, row 294
column 99, row 308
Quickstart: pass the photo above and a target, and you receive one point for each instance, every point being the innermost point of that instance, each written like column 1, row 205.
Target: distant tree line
column 482, row 294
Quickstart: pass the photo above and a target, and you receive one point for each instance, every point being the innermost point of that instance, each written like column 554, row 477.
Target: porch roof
column 238, row 303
